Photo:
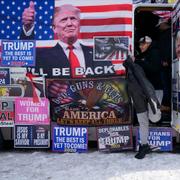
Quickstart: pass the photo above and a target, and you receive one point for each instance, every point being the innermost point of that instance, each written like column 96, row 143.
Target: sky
column 93, row 165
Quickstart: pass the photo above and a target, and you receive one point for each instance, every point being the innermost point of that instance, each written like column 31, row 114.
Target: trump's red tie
column 74, row 62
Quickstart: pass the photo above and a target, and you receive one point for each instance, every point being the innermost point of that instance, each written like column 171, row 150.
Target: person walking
column 149, row 61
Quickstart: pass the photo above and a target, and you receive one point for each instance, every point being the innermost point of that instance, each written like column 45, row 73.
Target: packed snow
column 93, row 165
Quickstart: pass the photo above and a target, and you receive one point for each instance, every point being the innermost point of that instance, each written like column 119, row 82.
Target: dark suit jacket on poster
column 50, row 59
column 54, row 59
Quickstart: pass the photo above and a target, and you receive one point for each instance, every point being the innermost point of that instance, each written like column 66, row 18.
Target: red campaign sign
column 6, row 116
column 6, row 119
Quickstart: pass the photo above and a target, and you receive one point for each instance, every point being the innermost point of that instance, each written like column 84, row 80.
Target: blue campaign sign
column 18, row 53
column 115, row 138
column 159, row 138
column 32, row 136
column 4, row 76
column 69, row 139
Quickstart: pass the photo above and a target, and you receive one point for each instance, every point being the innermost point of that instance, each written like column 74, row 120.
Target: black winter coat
column 150, row 61
column 139, row 87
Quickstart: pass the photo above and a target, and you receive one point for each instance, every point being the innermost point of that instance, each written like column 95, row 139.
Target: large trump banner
column 103, row 36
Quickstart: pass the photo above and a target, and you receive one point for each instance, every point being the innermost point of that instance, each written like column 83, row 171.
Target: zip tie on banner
column 36, row 98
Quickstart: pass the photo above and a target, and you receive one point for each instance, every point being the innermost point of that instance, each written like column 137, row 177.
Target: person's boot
column 143, row 150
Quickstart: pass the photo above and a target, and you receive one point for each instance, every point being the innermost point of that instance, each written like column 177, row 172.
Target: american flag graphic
column 166, row 15
column 11, row 13
column 98, row 18
column 104, row 18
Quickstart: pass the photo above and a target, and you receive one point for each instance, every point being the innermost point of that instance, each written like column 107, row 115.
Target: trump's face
column 66, row 26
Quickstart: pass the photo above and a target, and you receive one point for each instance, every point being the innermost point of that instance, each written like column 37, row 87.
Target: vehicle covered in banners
column 35, row 67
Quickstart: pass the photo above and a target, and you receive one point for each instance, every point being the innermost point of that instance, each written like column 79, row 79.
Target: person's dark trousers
column 1, row 140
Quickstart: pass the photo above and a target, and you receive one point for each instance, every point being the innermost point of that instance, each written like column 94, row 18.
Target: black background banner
column 90, row 102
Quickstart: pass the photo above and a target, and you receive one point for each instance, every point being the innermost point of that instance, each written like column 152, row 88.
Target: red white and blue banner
column 18, row 53
column 111, row 20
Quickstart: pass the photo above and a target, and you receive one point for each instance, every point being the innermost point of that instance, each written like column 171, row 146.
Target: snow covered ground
column 94, row 165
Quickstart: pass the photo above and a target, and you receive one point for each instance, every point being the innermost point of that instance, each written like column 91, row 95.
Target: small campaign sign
column 4, row 76
column 115, row 138
column 6, row 113
column 69, row 139
column 18, row 53
column 29, row 112
column 111, row 48
column 32, row 136
column 160, row 138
